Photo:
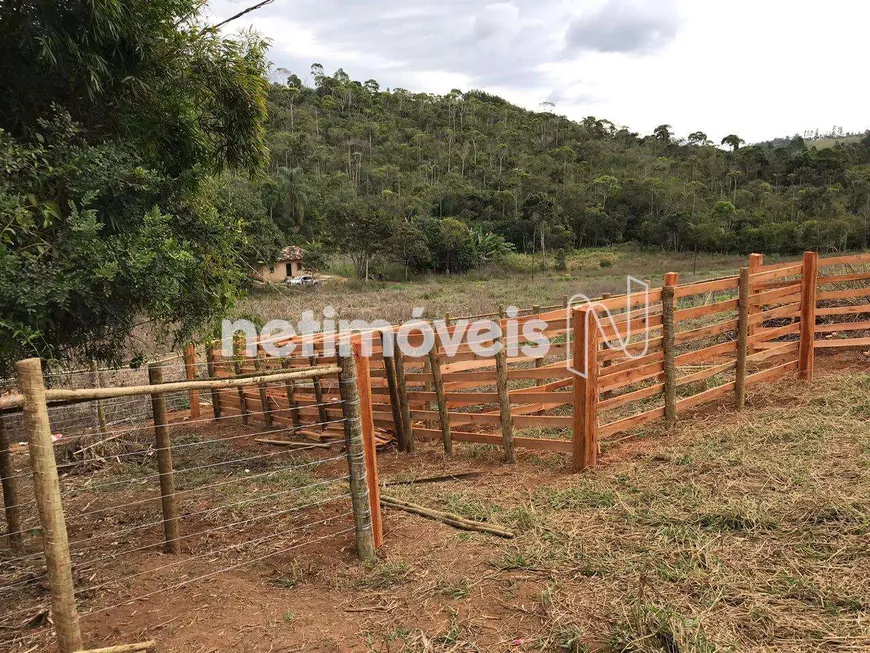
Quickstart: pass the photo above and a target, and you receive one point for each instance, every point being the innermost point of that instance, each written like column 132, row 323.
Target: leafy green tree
column 113, row 119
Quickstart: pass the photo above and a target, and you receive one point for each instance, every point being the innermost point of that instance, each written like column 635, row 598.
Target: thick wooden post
column 355, row 388
column 11, row 495
column 318, row 394
column 742, row 336
column 190, row 374
column 438, row 384
column 211, row 356
column 238, row 355
column 264, row 395
column 407, row 424
column 809, row 284
column 163, row 444
column 669, row 369
column 585, row 359
column 357, row 463
column 504, row 401
column 101, row 412
column 48, row 502
column 393, row 388
column 756, row 261
column 290, row 390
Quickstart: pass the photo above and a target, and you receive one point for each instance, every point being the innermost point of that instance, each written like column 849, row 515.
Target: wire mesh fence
column 173, row 501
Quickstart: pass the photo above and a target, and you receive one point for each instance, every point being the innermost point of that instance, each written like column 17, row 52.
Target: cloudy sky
column 757, row 68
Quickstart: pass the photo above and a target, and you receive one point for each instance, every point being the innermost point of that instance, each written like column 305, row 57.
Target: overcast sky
column 757, row 68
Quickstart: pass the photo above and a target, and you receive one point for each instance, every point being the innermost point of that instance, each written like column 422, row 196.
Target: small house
column 287, row 266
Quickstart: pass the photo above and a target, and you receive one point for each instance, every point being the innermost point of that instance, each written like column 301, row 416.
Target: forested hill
column 344, row 151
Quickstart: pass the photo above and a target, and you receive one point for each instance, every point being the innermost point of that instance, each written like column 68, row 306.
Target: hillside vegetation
column 404, row 167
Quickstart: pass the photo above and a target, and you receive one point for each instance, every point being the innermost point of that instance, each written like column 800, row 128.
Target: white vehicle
column 303, row 281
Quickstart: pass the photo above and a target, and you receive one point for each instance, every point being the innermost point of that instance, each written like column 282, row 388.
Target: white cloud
column 756, row 68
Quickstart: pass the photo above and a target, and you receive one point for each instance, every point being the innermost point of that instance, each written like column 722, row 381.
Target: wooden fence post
column 290, row 390
column 504, row 401
column 585, row 359
column 393, row 389
column 539, row 362
column 101, row 412
column 164, row 464
column 438, row 384
column 238, row 354
column 318, row 393
column 809, row 284
column 11, row 495
column 669, row 369
column 48, row 502
column 355, row 390
column 756, row 261
column 210, row 357
column 363, row 516
column 190, row 374
column 407, row 424
column 743, row 300
column 264, row 395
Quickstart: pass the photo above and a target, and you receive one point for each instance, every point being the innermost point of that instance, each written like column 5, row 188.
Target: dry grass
column 748, row 533
column 484, row 290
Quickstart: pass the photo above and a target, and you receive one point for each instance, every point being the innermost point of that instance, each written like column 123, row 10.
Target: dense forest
column 149, row 165
column 419, row 178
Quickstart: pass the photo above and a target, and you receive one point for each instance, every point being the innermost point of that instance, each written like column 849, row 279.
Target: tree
column 733, row 141
column 698, row 138
column 113, row 119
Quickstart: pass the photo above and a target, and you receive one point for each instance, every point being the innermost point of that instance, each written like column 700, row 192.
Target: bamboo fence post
column 504, row 401
column 164, row 464
column 48, row 502
column 392, row 387
column 318, row 393
column 585, row 358
column 407, row 424
column 742, row 335
column 190, row 374
column 238, row 353
column 11, row 495
column 264, row 396
column 101, row 412
column 669, row 369
column 438, row 383
column 756, row 261
column 809, row 284
column 211, row 357
column 355, row 390
column 564, row 301
column 290, row 390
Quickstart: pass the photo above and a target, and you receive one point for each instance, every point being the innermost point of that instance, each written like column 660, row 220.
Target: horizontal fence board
column 844, row 343
column 851, row 293
column 683, row 314
column 849, row 259
column 628, row 397
column 560, row 446
column 630, row 422
column 714, row 285
column 787, row 271
column 844, row 310
column 842, row 326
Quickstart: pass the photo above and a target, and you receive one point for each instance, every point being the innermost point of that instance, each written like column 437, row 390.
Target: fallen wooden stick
column 436, row 479
column 299, row 445
column 448, row 518
column 123, row 648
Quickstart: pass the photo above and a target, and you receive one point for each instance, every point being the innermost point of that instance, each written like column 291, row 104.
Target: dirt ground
column 735, row 531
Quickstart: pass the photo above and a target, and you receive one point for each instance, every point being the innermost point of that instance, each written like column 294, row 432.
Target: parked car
column 303, row 281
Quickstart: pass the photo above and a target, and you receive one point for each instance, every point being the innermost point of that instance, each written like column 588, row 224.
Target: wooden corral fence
column 690, row 344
